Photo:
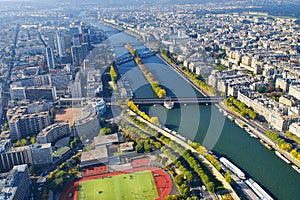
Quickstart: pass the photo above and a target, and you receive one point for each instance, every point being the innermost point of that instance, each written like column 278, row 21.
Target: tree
column 154, row 120
column 74, row 143
column 105, row 131
column 179, row 179
column 5, row 127
column 33, row 139
column 184, row 190
column 228, row 177
column 59, row 182
column 139, row 147
column 210, row 186
column 147, row 147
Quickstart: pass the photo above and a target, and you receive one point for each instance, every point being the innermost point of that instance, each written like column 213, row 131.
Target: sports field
column 137, row 185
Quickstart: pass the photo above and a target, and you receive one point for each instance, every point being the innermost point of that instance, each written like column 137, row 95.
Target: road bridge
column 180, row 100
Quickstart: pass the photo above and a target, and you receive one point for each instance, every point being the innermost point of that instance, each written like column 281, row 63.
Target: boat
column 225, row 113
column 239, row 123
column 265, row 144
column 230, row 117
column 169, row 105
column 297, row 169
column 261, row 193
column 250, row 133
column 282, row 157
column 253, row 136
column 232, row 168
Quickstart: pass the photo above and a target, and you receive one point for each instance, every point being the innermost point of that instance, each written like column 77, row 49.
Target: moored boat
column 297, row 169
column 282, row 157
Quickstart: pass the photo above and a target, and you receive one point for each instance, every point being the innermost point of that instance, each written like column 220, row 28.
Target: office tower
column 50, row 58
column 77, row 39
column 16, row 185
column 61, row 43
column 79, row 53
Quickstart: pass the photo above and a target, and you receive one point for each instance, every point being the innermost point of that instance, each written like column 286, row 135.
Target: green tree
column 228, row 177
column 147, row 147
column 5, row 127
column 179, row 179
column 139, row 147
column 74, row 143
column 33, row 139
column 105, row 131
column 210, row 186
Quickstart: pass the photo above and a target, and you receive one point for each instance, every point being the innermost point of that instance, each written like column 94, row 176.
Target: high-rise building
column 17, row 93
column 50, row 58
column 42, row 92
column 61, row 43
column 79, row 53
column 77, row 39
column 15, row 156
column 41, row 155
column 53, row 133
column 23, row 125
column 16, row 185
column 38, row 155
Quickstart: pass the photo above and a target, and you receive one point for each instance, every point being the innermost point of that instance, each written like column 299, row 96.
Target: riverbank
column 260, row 133
column 181, row 142
column 243, row 150
column 183, row 75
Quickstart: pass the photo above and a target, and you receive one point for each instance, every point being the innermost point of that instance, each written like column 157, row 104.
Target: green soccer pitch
column 137, row 185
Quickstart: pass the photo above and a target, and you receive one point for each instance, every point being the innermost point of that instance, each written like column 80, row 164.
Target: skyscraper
column 50, row 58
column 61, row 43
column 79, row 53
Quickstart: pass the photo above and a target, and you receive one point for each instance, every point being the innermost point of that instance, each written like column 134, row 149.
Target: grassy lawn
column 138, row 185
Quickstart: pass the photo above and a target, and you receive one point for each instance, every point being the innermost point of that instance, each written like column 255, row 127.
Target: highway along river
column 205, row 124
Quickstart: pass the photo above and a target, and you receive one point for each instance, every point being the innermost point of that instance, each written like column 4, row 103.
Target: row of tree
column 135, row 109
column 169, row 57
column 64, row 173
column 207, row 178
column 159, row 91
column 23, row 142
column 279, row 141
column 200, row 83
column 293, row 137
column 132, row 51
column 283, row 144
column 239, row 107
column 113, row 76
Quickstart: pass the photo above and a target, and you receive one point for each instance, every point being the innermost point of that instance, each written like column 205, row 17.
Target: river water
column 205, row 124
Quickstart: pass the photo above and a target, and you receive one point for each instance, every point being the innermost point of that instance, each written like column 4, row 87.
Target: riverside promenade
column 179, row 141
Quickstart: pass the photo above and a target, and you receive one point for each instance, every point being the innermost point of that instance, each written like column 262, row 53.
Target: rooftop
column 106, row 139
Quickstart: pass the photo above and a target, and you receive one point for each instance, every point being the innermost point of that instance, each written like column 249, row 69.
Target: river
column 205, row 124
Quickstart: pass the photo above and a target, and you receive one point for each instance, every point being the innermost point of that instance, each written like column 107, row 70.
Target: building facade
column 52, row 133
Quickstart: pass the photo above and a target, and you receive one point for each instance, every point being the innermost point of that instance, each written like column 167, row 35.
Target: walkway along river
column 278, row 178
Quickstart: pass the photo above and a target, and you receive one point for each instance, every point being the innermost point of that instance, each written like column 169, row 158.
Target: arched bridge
column 128, row 58
column 181, row 100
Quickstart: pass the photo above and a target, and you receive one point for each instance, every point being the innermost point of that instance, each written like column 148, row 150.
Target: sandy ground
column 68, row 114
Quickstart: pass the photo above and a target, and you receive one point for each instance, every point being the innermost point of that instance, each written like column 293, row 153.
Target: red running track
column 161, row 178
column 140, row 162
column 95, row 170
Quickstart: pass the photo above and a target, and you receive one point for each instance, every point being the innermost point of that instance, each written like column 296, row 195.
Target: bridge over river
column 180, row 100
